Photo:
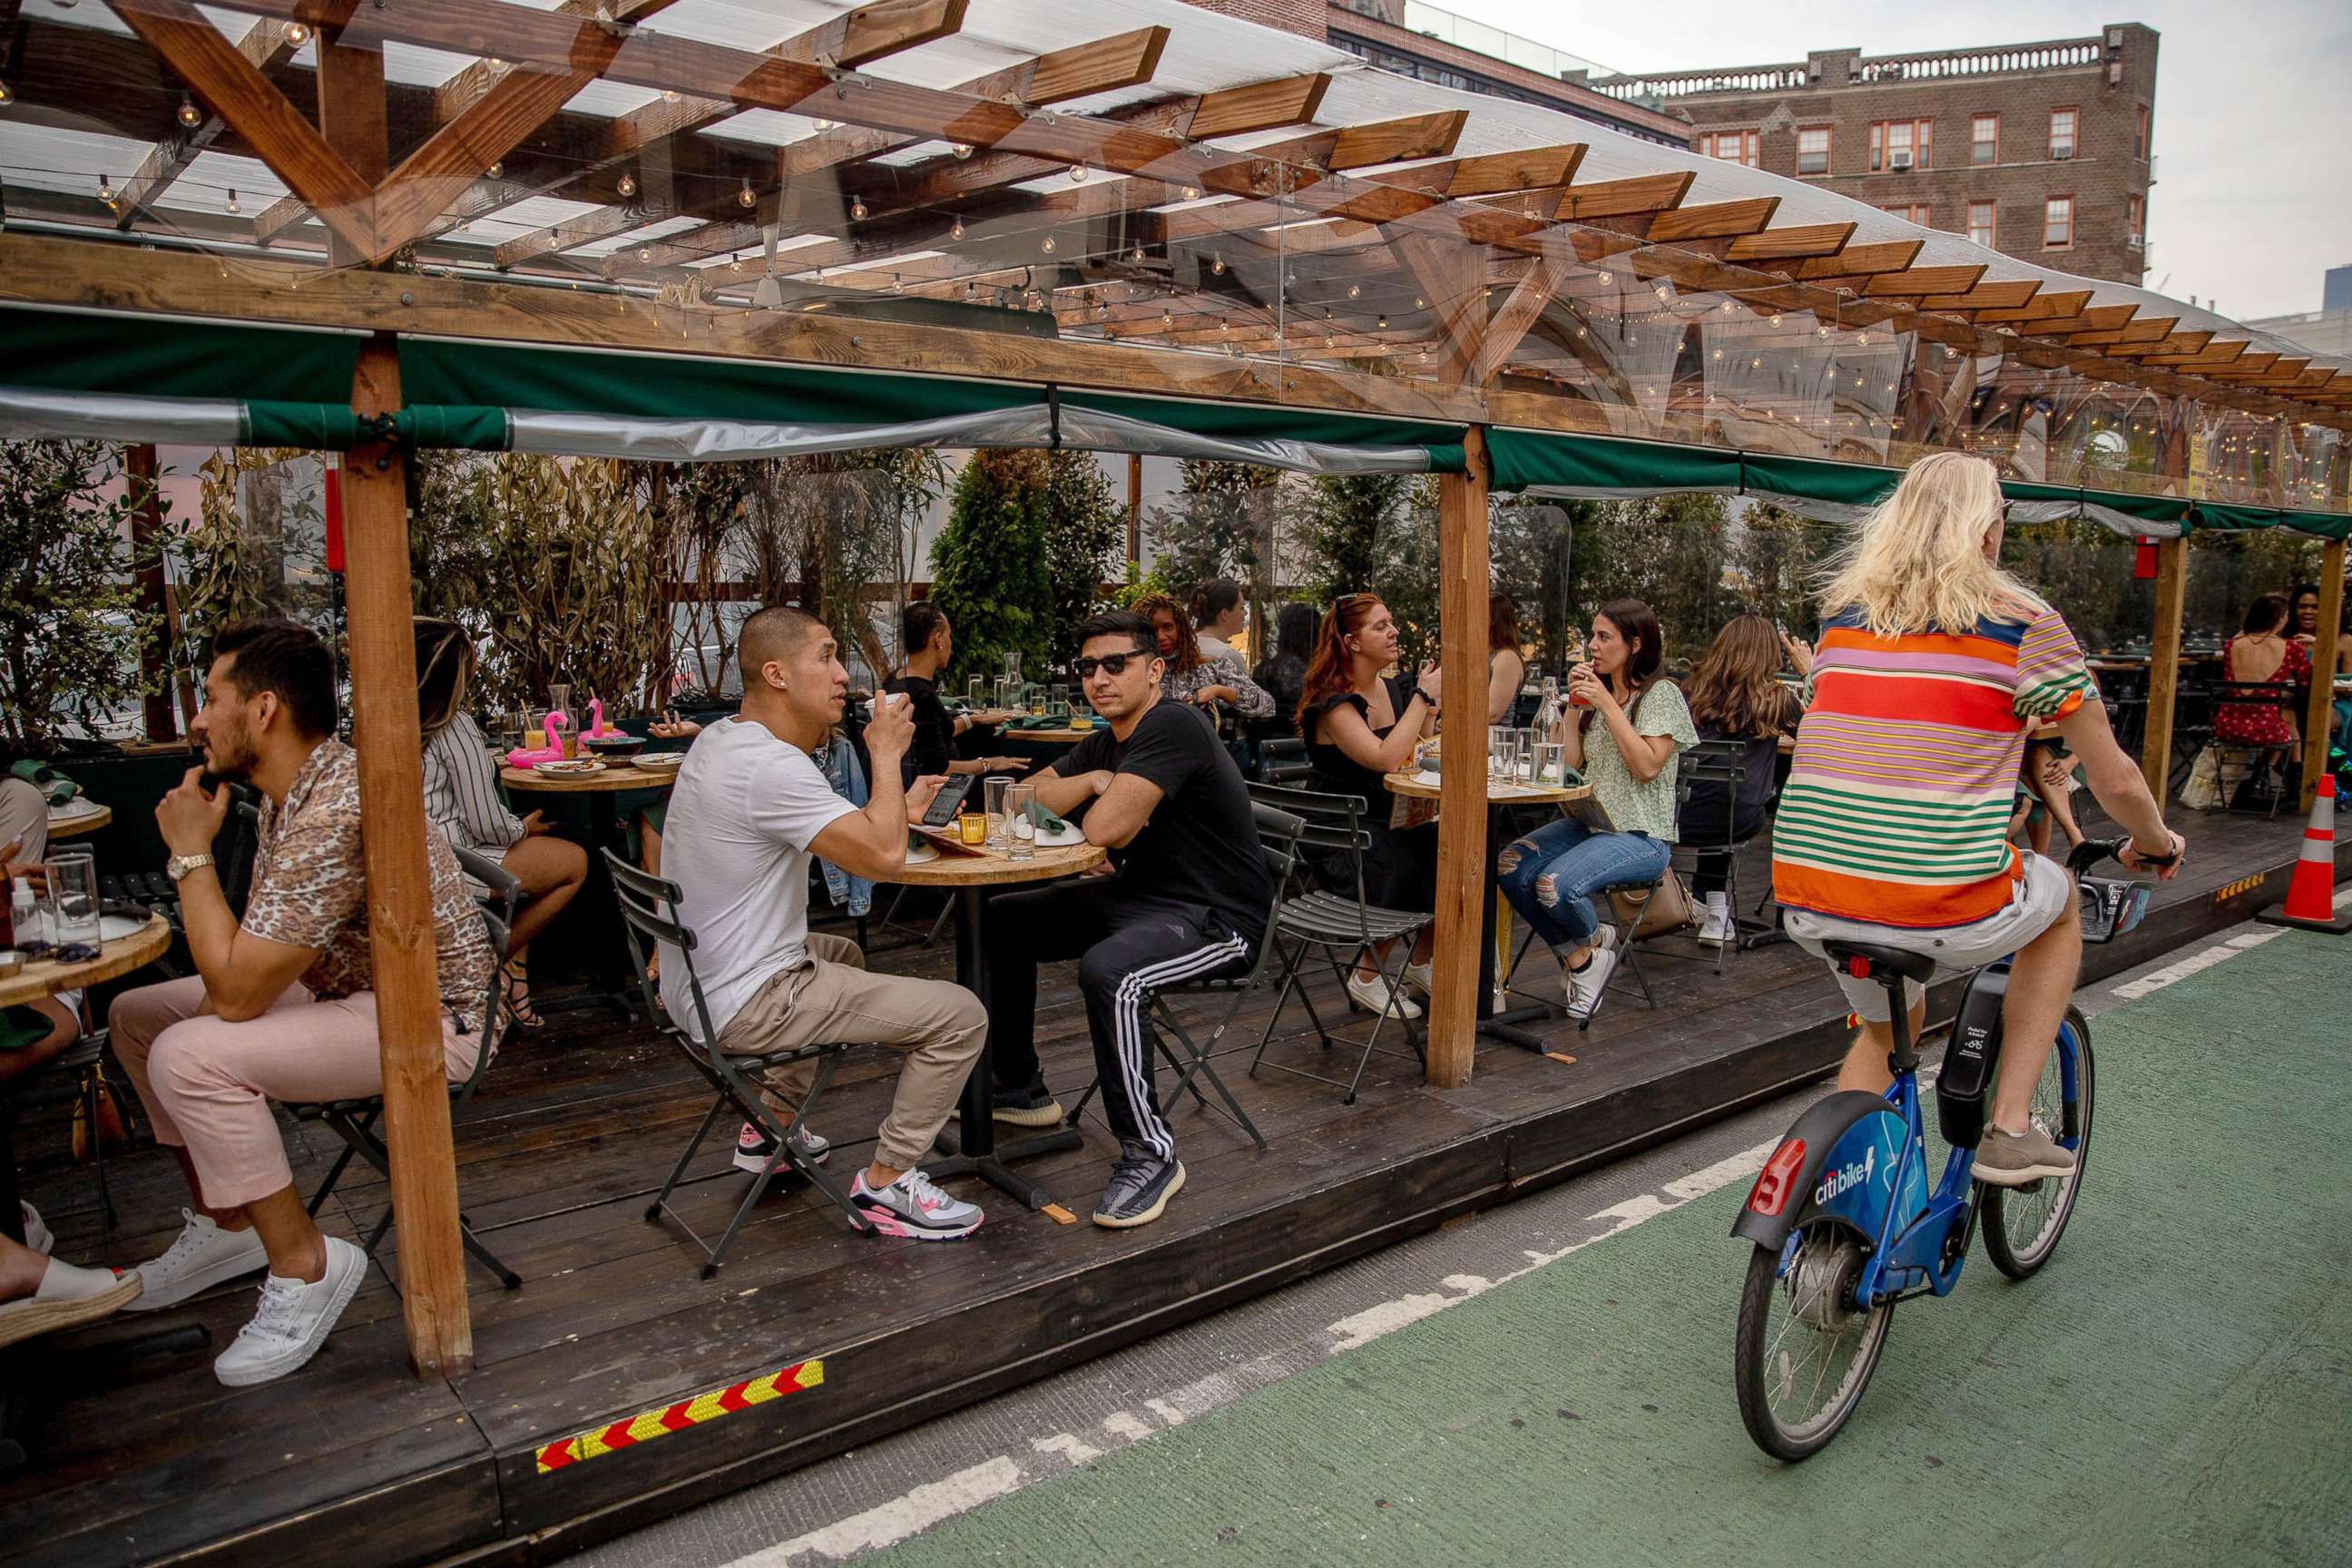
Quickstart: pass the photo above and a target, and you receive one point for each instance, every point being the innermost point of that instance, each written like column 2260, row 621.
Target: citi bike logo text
column 1847, row 1178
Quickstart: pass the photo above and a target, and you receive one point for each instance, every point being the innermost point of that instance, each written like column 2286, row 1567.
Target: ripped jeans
column 1551, row 875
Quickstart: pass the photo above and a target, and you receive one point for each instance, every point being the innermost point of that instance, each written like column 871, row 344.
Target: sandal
column 518, row 1008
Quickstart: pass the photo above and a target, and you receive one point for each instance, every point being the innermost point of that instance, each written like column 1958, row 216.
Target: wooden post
column 1462, row 789
column 2164, row 661
column 2319, row 720
column 1134, row 507
column 146, row 546
column 399, row 883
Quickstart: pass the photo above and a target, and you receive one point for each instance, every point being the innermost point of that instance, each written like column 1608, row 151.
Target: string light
column 297, row 34
column 1776, row 320
column 232, row 209
column 1217, row 265
column 1136, row 255
column 1604, row 279
column 1077, row 174
column 190, row 115
column 106, row 189
column 955, row 229
column 669, row 95
column 7, row 94
column 644, row 253
column 962, row 150
column 1419, row 303
column 1191, row 193
column 822, row 125
column 1046, row 245
column 858, row 207
column 735, row 262
column 627, row 185
column 1383, row 323
column 496, row 170
column 747, row 198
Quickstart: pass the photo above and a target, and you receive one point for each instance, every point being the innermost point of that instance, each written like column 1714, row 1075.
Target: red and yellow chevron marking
column 648, row 1425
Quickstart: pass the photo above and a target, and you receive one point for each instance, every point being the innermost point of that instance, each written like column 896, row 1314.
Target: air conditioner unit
column 1898, row 160
column 2062, row 153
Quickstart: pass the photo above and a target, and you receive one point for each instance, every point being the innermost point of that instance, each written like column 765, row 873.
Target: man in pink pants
column 280, row 1007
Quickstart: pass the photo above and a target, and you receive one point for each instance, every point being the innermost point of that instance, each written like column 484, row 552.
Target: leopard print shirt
column 309, row 887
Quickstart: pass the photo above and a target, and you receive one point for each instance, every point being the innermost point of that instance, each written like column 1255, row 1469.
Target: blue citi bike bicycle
column 1843, row 1220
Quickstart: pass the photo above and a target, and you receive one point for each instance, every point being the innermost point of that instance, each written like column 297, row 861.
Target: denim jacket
column 839, row 761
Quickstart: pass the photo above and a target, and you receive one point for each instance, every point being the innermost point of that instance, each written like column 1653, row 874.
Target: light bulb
column 644, row 253
column 1217, row 265
column 1863, row 340
column 628, row 185
column 1604, row 278
column 496, row 170
column 190, row 115
column 1418, row 302
column 747, row 197
column 1384, row 322
column 1136, row 255
column 823, row 124
column 497, row 64
column 1191, row 193
column 669, row 95
column 962, row 150
column 1167, row 318
column 106, row 189
column 7, row 94
column 858, row 207
column 1077, row 174
column 1047, row 245
column 297, row 34
column 971, row 290
column 232, row 209
column 735, row 262
column 1776, row 320
column 1354, row 289
column 955, row 229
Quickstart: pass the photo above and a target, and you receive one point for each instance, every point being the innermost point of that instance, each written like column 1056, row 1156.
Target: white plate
column 81, row 805
column 660, row 762
column 571, row 767
column 919, row 854
column 114, row 928
column 1062, row 837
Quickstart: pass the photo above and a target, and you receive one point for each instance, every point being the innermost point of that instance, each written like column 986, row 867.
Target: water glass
column 1551, row 764
column 993, row 790
column 977, row 695
column 1021, row 821
column 73, row 897
column 1501, row 749
column 1013, row 664
column 1523, row 755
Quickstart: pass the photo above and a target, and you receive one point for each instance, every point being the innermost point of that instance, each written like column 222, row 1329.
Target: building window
column 1910, row 212
column 1813, row 149
column 1984, row 138
column 2062, row 132
column 1731, row 146
column 2134, row 221
column 1981, row 224
column 1902, row 144
column 2058, row 222
column 2139, row 134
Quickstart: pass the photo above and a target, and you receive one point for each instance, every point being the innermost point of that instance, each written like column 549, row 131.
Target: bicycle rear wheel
column 2022, row 1225
column 1805, row 1352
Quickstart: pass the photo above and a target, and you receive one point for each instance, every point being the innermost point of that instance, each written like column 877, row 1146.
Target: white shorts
column 2042, row 897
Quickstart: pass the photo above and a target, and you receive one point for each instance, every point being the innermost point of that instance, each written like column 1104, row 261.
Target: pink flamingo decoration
column 522, row 757
column 596, row 721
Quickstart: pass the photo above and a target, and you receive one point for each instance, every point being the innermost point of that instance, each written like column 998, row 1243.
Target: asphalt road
column 1551, row 1381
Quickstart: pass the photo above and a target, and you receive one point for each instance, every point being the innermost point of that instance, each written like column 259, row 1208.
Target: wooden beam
column 1462, row 863
column 2041, row 308
column 2319, row 717
column 1714, row 220
column 1634, row 197
column 2164, row 663
column 266, row 44
column 1794, row 244
column 1520, row 311
column 412, row 198
column 231, row 87
column 1452, row 278
column 1985, row 296
column 1921, row 281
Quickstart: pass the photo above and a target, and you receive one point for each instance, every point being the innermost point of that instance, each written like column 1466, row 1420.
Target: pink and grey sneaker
column 913, row 1206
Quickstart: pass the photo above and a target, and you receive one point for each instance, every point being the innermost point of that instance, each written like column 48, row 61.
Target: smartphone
column 948, row 801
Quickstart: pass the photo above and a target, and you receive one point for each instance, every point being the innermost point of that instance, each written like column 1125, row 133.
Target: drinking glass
column 978, row 693
column 1551, row 764
column 1005, row 691
column 971, row 826
column 1523, row 755
column 992, row 789
column 1013, row 664
column 1020, row 820
column 73, row 896
column 1500, row 750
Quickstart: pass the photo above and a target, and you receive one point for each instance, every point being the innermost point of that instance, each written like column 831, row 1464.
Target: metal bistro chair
column 650, row 916
column 1277, row 833
column 2261, row 765
column 1282, row 759
column 354, row 1120
column 1723, row 762
column 1331, row 923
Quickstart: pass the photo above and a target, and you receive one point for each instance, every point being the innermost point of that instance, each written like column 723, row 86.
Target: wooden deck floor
column 354, row 1461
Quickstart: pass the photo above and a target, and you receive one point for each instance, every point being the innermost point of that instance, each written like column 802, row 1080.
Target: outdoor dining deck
column 354, row 1461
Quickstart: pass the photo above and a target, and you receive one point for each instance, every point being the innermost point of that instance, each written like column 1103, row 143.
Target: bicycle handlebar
column 2091, row 851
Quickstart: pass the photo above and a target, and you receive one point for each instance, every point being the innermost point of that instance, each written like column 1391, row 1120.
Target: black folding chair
column 1331, row 922
column 1723, row 763
column 650, row 916
column 1277, row 833
column 354, row 1120
column 1282, row 760
column 2259, row 766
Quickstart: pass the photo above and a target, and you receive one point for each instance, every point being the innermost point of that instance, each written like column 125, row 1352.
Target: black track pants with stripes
column 1128, row 946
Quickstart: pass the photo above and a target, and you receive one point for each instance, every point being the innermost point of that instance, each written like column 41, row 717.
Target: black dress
column 1400, row 866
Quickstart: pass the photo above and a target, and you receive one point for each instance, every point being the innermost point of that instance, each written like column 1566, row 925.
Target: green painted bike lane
column 2175, row 1386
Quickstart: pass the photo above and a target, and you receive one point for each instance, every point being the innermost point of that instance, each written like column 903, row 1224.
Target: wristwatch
column 179, row 865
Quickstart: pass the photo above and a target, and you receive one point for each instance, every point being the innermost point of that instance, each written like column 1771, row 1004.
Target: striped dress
column 1898, row 799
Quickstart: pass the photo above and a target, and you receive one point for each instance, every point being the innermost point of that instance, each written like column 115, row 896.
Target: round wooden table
column 117, row 957
column 616, row 779
column 973, row 1151
column 1050, row 734
column 1426, row 786
column 79, row 822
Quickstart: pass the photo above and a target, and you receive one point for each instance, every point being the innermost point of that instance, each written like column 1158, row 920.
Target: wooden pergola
column 1182, row 233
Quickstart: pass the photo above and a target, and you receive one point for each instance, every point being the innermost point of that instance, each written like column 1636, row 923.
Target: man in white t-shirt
column 750, row 809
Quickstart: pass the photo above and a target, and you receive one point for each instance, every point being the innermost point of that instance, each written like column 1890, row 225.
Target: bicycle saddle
column 1881, row 961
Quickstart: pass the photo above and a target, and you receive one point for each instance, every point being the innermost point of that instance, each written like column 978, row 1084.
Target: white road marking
column 895, row 1521
column 2204, row 959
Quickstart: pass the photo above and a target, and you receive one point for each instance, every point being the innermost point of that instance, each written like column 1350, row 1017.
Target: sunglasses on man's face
column 1085, row 666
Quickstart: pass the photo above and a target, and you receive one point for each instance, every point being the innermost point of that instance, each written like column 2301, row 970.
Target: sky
column 2254, row 195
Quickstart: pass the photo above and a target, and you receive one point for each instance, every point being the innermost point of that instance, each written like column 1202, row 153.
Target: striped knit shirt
column 1897, row 805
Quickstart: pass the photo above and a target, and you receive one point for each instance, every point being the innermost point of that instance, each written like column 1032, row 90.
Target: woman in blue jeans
column 1623, row 726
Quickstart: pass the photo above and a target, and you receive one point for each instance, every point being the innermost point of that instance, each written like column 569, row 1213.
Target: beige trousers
column 833, row 997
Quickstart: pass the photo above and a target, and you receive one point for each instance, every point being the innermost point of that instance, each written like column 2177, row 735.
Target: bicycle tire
column 1754, row 1363
column 2023, row 1225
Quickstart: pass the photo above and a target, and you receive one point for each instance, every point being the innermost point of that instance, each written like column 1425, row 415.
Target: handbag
column 2204, row 790
column 1668, row 908
column 112, row 1129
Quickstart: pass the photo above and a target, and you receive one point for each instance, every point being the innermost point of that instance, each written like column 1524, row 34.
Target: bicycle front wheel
column 1805, row 1351
column 2022, row 1225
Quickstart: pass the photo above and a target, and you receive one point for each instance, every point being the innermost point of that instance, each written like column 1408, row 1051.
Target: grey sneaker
column 1141, row 1183
column 753, row 1148
column 1033, row 1105
column 2014, row 1159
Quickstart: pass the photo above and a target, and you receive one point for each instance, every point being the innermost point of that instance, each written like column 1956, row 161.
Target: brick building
column 2041, row 151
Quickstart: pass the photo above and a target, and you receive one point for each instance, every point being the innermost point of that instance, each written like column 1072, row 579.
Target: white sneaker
column 1418, row 976
column 1374, row 996
column 37, row 1234
column 1715, row 926
column 66, row 1297
column 1584, row 985
column 203, row 1257
column 294, row 1320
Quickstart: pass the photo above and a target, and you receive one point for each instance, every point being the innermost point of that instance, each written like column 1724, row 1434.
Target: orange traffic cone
column 2311, row 895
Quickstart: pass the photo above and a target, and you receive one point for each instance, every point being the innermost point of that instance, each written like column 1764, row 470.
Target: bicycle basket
column 2111, row 905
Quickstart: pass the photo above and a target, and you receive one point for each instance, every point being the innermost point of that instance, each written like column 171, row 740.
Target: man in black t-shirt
column 1189, row 900
column 929, row 643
